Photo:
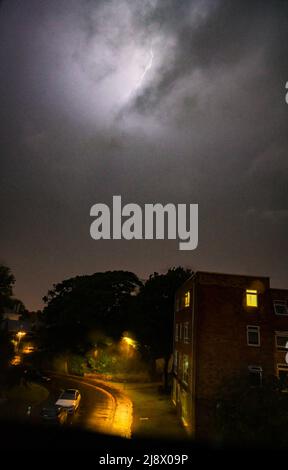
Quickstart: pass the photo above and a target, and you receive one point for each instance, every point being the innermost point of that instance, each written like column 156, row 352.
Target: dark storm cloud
column 213, row 36
column 85, row 115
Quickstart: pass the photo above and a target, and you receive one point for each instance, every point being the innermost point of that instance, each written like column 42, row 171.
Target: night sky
column 158, row 101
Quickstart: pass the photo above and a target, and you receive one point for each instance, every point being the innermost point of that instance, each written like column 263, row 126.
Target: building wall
column 218, row 348
column 221, row 331
column 182, row 393
column 280, row 326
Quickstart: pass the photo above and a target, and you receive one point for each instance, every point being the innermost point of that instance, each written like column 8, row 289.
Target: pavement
column 154, row 415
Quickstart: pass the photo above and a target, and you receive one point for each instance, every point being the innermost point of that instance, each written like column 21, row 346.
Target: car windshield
column 68, row 395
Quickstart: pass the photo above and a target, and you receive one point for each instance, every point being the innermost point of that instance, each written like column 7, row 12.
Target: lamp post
column 20, row 335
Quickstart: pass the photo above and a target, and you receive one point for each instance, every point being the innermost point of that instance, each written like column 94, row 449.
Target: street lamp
column 129, row 341
column 20, row 335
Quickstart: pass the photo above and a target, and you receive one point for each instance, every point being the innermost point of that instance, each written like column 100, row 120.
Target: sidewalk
column 153, row 413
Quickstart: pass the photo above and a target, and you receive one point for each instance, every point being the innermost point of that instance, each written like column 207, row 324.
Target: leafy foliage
column 6, row 286
column 154, row 317
column 253, row 415
column 78, row 305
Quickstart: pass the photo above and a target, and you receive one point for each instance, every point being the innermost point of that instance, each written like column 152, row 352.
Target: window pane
column 187, row 299
column 253, row 337
column 282, row 342
column 251, row 298
column 255, row 378
column 280, row 308
column 283, row 377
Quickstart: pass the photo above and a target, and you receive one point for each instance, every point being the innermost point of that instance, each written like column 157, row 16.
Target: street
column 96, row 409
column 99, row 410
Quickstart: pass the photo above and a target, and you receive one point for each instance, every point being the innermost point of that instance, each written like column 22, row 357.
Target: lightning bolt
column 147, row 68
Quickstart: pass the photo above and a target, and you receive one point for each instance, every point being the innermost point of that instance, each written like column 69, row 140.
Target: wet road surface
column 97, row 407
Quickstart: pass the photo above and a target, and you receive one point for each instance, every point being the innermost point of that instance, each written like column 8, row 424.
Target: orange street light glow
column 130, row 341
column 20, row 334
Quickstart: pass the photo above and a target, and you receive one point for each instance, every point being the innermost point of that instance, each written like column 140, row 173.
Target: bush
column 77, row 365
column 253, row 415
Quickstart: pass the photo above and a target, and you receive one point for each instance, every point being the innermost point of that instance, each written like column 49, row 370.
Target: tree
column 6, row 351
column 154, row 319
column 252, row 415
column 6, row 287
column 6, row 291
column 78, row 305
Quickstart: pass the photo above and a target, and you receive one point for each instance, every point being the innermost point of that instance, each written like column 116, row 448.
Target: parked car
column 53, row 414
column 36, row 376
column 69, row 399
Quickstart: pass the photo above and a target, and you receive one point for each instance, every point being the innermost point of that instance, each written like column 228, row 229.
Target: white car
column 69, row 399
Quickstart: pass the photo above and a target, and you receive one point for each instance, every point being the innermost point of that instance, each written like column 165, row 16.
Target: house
column 225, row 326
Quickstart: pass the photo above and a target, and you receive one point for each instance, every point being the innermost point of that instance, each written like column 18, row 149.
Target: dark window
column 282, row 341
column 253, row 335
column 255, row 376
column 280, row 307
column 283, row 376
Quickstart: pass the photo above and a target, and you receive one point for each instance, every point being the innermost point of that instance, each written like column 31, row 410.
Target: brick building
column 225, row 326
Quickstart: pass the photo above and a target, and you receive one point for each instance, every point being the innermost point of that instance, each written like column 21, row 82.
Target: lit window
column 251, row 298
column 281, row 338
column 186, row 333
column 187, row 298
column 255, row 376
column 185, row 366
column 280, row 307
column 253, row 335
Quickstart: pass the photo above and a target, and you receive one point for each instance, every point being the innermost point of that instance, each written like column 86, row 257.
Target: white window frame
column 284, row 334
column 281, row 366
column 280, row 302
column 186, row 338
column 253, row 329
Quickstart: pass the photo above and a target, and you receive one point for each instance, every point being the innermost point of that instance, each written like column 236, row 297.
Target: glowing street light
column 130, row 341
column 19, row 335
column 128, row 345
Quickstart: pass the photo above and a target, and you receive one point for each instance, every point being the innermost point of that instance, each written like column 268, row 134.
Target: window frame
column 252, row 369
column 187, row 298
column 284, row 334
column 249, row 329
column 186, row 338
column 250, row 293
column 283, row 367
column 279, row 302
